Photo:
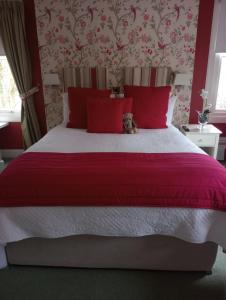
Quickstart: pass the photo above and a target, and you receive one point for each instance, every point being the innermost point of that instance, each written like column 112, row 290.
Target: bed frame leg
column 209, row 272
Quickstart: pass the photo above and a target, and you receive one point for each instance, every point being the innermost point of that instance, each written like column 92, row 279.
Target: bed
column 143, row 237
column 95, row 200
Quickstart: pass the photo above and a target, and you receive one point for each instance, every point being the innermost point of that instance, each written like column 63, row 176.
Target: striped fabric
column 148, row 76
column 85, row 77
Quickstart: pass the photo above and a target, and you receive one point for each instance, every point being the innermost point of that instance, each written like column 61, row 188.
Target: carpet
column 42, row 283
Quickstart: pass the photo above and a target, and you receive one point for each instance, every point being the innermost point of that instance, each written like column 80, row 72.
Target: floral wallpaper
column 116, row 33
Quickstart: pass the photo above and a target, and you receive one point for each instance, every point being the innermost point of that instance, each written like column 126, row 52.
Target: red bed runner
column 114, row 179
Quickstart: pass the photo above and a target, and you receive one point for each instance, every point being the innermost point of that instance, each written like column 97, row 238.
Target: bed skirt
column 156, row 252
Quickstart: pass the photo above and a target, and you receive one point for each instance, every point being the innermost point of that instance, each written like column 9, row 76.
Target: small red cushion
column 77, row 104
column 104, row 115
column 150, row 105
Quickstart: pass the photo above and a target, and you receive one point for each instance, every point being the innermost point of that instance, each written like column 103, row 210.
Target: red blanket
column 116, row 179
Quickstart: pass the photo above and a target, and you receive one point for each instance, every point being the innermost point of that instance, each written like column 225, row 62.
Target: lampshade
column 183, row 79
column 51, row 79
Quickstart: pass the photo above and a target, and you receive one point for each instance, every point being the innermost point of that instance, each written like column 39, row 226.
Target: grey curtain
column 12, row 31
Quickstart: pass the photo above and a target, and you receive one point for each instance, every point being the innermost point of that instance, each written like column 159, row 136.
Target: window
column 9, row 97
column 10, row 102
column 216, row 73
column 221, row 90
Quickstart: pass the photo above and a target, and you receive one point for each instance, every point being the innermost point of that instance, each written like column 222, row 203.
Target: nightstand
column 2, row 125
column 206, row 138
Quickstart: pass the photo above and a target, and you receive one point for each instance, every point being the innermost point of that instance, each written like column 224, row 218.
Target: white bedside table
column 2, row 125
column 207, row 138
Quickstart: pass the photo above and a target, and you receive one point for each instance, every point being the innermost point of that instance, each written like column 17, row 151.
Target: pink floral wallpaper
column 116, row 33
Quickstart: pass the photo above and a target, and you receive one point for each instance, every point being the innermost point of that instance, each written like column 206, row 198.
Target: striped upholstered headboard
column 148, row 76
column 98, row 77
column 85, row 77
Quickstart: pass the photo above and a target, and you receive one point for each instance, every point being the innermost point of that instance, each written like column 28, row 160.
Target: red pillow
column 77, row 104
column 150, row 105
column 127, row 104
column 104, row 115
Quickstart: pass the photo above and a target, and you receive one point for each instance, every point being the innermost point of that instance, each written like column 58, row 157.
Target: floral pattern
column 114, row 34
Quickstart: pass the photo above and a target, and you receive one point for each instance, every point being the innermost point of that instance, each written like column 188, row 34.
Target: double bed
column 162, row 237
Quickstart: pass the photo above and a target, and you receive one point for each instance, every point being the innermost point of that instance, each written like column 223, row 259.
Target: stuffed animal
column 129, row 124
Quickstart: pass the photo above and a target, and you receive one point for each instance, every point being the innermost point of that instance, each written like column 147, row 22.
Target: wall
column 116, row 34
column 201, row 56
column 201, row 60
column 222, row 128
column 11, row 138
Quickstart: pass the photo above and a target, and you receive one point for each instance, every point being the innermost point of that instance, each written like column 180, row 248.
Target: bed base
column 154, row 252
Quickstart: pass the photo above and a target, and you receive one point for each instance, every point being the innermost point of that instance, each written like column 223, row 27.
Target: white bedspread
column 193, row 225
column 61, row 139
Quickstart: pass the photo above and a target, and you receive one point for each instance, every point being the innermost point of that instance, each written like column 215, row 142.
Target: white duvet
column 61, row 139
column 193, row 225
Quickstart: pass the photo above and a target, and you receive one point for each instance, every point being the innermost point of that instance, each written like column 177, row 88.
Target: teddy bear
column 129, row 124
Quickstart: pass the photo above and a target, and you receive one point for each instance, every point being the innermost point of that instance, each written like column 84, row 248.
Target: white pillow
column 65, row 109
column 169, row 114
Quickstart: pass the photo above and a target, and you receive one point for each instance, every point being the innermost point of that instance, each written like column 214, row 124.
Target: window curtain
column 219, row 20
column 12, row 31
